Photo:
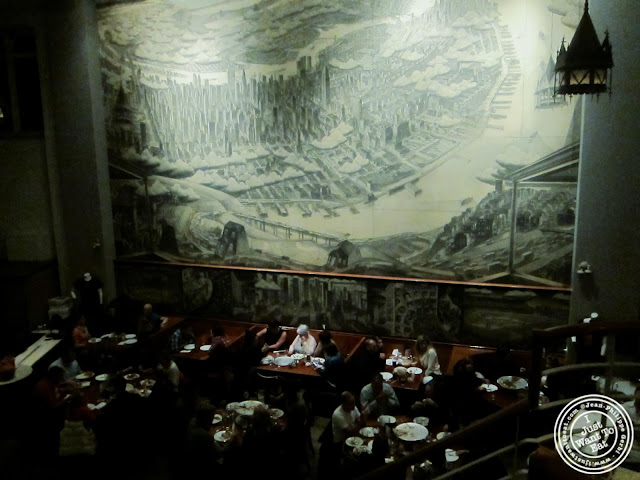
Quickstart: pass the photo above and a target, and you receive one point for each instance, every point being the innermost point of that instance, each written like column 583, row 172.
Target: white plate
column 231, row 406
column 190, row 346
column 411, row 432
column 85, row 384
column 424, row 421
column 217, row 418
column 108, row 335
column 84, row 376
column 427, row 379
column 284, row 361
column 298, row 356
column 489, row 387
column 389, row 362
column 441, row 435
column 354, row 441
column 102, row 377
column 267, row 360
column 451, row 455
column 132, row 376
column 222, row 436
column 386, row 376
column 319, row 360
column 205, row 348
column 369, row 432
column 130, row 335
column 512, row 383
column 247, row 407
column 148, row 383
column 275, row 413
column 130, row 341
column 95, row 340
column 186, row 351
column 386, row 420
column 414, row 370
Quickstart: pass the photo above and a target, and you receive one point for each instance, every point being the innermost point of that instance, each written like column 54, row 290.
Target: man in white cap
column 304, row 342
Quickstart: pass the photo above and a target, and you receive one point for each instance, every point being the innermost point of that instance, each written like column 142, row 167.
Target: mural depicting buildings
column 381, row 138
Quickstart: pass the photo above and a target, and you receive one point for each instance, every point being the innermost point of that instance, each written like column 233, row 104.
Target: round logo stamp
column 593, row 434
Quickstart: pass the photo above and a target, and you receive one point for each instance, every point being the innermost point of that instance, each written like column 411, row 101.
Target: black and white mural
column 447, row 313
column 386, row 138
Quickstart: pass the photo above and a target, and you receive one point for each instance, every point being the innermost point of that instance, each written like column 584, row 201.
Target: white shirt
column 342, row 421
column 173, row 374
column 307, row 346
column 429, row 362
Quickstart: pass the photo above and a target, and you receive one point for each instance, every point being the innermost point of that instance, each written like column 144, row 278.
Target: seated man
column 68, row 363
column 273, row 336
column 346, row 420
column 378, row 398
column 150, row 321
column 369, row 362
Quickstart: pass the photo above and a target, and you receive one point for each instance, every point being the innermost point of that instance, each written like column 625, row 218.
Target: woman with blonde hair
column 428, row 356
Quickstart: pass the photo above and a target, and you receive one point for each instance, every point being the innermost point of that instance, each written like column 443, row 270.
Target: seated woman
column 428, row 356
column 324, row 339
column 304, row 342
column 273, row 336
column 467, row 401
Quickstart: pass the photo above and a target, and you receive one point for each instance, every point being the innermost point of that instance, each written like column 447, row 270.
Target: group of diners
column 88, row 406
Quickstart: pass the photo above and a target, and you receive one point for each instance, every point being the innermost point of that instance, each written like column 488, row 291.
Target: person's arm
column 317, row 352
column 280, row 342
column 294, row 345
column 432, row 362
column 366, row 398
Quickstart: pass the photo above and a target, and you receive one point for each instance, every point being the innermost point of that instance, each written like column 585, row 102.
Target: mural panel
column 379, row 138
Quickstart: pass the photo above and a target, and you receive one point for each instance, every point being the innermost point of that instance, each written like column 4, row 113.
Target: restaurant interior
column 144, row 366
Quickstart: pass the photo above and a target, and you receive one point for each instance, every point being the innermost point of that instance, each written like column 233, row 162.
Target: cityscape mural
column 384, row 138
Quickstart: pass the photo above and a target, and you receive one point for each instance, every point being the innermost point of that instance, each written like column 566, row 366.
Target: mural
column 391, row 138
column 455, row 314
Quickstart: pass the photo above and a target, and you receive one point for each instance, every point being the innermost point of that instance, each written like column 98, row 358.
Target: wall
column 607, row 233
column 26, row 229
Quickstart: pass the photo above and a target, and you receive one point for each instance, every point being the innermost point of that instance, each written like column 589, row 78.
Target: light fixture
column 584, row 67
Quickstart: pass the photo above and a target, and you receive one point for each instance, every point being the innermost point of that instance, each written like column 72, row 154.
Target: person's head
column 348, row 401
column 331, row 350
column 325, row 337
column 376, row 384
column 147, row 309
column 68, row 355
column 422, row 343
column 464, row 366
column 371, row 344
column 164, row 359
column 55, row 374
column 218, row 331
column 303, row 331
column 273, row 326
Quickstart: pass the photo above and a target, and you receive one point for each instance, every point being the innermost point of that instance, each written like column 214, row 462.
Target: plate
column 217, row 418
column 319, row 360
column 190, row 346
column 512, row 383
column 132, row 376
column 275, row 413
column 424, row 421
column 148, row 383
column 451, row 455
column 130, row 335
column 130, row 341
column 389, row 362
column 359, row 450
column 386, row 420
column 231, row 406
column 414, row 370
column 427, row 379
column 247, row 407
column 108, row 335
column 268, row 360
column 95, row 340
column 354, row 441
column 222, row 436
column 84, row 376
column 84, row 384
column 411, row 432
column 489, row 387
column 205, row 348
column 186, row 351
column 369, row 432
column 284, row 361
column 102, row 377
column 441, row 435
column 298, row 356
column 386, row 376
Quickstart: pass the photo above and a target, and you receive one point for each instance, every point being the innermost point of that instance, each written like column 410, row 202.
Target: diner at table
column 304, row 342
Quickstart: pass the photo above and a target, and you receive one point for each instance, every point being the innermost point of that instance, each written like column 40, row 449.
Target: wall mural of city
column 360, row 137
column 447, row 313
